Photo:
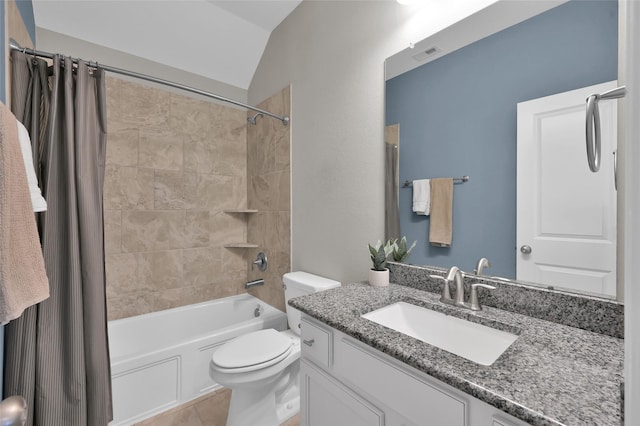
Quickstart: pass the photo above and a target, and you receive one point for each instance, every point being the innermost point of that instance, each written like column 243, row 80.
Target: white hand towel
column 38, row 202
column 422, row 197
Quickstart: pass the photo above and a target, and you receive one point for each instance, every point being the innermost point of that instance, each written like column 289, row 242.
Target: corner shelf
column 241, row 245
column 241, row 211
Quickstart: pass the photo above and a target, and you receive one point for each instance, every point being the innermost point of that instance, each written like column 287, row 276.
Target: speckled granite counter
column 552, row 374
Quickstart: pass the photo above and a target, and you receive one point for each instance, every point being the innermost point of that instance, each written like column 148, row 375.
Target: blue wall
column 457, row 117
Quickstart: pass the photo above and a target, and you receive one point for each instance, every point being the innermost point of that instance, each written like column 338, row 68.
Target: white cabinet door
column 327, row 402
column 565, row 213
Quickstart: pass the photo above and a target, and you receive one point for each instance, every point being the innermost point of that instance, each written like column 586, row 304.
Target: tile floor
column 209, row 410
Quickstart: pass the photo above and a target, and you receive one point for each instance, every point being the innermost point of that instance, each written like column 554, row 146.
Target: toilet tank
column 298, row 284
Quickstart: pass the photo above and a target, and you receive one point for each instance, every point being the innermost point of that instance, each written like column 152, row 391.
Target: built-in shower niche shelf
column 241, row 211
column 241, row 245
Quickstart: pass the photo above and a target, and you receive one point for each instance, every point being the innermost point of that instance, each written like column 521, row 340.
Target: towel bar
column 463, row 179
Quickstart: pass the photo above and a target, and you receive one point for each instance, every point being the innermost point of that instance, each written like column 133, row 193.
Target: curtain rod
column 285, row 119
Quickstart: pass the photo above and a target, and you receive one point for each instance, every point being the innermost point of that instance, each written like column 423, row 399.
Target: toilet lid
column 253, row 348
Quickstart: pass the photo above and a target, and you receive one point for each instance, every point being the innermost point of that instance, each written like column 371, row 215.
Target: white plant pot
column 378, row 278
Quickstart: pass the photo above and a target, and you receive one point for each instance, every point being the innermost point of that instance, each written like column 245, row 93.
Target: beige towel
column 23, row 280
column 440, row 228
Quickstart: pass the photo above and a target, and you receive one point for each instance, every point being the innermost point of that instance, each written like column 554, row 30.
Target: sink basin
column 475, row 342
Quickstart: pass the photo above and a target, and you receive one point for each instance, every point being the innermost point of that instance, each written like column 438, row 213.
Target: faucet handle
column 475, row 304
column 446, row 292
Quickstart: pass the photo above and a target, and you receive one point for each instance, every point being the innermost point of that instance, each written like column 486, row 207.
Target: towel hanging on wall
column 421, row 197
column 23, row 280
column 441, row 222
column 37, row 200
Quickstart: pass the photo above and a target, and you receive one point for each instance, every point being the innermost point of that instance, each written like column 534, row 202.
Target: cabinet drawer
column 316, row 342
column 418, row 400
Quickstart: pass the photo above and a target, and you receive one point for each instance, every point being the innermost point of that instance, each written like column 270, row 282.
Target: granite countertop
column 552, row 374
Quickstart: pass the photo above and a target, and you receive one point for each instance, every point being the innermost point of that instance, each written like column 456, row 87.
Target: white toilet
column 262, row 368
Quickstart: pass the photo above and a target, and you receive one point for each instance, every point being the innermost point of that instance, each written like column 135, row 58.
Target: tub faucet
column 454, row 275
column 482, row 263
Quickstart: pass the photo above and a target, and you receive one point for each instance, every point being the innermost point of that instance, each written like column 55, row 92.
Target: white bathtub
column 161, row 360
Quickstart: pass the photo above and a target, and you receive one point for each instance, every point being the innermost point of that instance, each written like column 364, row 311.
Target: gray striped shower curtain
column 56, row 353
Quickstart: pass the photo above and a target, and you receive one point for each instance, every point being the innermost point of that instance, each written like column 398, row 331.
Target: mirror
column 454, row 98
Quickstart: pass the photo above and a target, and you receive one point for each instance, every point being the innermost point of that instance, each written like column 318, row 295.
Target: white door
column 565, row 213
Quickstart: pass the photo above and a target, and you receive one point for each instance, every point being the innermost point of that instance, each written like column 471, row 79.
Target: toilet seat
column 252, row 351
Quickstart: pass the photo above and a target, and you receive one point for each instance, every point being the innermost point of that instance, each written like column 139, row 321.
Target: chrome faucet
column 482, row 263
column 455, row 275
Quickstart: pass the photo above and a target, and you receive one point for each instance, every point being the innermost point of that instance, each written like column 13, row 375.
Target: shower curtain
column 391, row 217
column 56, row 353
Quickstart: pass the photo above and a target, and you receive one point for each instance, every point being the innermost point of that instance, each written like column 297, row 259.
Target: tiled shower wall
column 174, row 164
column 268, row 189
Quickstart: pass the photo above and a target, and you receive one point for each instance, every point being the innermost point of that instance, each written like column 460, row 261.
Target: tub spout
column 254, row 283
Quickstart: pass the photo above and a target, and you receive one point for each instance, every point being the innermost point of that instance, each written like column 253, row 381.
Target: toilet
column 262, row 368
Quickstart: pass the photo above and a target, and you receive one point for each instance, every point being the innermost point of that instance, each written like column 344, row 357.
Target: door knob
column 525, row 249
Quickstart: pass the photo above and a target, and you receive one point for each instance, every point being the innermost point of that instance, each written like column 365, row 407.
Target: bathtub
column 161, row 360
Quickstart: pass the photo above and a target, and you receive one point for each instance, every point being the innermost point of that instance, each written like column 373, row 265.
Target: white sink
column 475, row 342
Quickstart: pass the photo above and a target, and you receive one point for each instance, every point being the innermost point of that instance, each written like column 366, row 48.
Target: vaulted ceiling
column 220, row 40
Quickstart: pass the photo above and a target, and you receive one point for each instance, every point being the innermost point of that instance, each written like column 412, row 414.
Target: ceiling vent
column 421, row 56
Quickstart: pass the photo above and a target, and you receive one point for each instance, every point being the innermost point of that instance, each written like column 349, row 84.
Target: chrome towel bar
column 463, row 179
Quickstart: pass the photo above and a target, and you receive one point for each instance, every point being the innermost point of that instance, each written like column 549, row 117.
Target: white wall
column 333, row 53
column 53, row 42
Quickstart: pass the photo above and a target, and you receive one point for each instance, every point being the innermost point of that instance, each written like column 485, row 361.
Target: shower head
column 253, row 119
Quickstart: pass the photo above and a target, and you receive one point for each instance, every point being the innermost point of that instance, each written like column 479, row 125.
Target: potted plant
column 400, row 250
column 379, row 274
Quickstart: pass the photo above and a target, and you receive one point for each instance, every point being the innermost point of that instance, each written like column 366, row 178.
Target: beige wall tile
column 125, row 306
column 128, row 188
column 145, row 106
column 202, row 266
column 122, row 146
column 270, row 192
column 196, row 229
column 121, row 274
column 152, row 230
column 221, row 192
column 160, row 270
column 190, row 115
column 161, row 151
column 174, row 190
column 231, row 157
column 112, row 231
column 234, row 260
column 114, row 101
column 283, row 152
column 174, row 164
column 199, row 154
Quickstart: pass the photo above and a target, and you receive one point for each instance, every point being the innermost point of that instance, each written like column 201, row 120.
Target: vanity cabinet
column 346, row 382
